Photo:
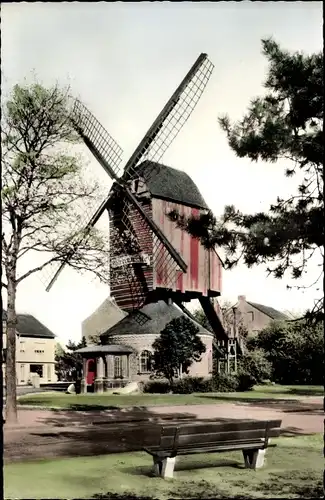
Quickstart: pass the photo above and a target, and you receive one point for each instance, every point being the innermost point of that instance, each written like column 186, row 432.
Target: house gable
column 256, row 317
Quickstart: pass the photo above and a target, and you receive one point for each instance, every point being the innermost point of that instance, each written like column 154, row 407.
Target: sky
column 124, row 60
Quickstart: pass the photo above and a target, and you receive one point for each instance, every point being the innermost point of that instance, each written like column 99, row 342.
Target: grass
column 72, row 401
column 293, row 470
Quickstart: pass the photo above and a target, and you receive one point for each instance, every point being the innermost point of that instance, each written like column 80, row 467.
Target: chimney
column 241, row 298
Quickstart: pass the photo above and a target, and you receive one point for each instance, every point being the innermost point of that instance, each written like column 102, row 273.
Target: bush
column 253, row 368
column 188, row 385
column 246, row 381
column 255, row 363
column 223, row 382
column 157, row 387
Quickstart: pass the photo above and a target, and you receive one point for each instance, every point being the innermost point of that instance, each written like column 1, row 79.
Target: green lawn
column 293, row 470
column 84, row 401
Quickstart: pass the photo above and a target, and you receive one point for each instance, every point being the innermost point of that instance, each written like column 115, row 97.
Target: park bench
column 252, row 437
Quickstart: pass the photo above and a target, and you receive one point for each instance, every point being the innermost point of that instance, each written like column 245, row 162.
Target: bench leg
column 254, row 459
column 163, row 467
column 157, row 466
column 168, row 467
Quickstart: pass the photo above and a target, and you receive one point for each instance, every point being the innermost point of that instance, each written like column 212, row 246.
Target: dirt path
column 46, row 433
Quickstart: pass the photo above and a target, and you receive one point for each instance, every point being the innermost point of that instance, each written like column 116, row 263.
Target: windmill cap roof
column 171, row 184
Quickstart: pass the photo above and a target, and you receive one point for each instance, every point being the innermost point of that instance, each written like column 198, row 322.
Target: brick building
column 127, row 346
column 254, row 317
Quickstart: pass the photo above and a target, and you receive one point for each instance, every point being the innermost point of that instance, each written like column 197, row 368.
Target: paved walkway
column 302, row 416
column 49, row 434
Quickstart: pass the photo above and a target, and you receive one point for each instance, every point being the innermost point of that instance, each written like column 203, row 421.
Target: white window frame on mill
column 145, row 360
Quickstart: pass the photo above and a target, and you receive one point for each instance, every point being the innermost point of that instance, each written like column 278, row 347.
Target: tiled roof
column 29, row 326
column 269, row 311
column 160, row 313
column 105, row 316
column 171, row 184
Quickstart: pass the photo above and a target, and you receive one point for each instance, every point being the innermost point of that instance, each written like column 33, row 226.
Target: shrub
column 220, row 382
column 188, row 385
column 255, row 364
column 253, row 368
column 157, row 387
column 223, row 382
column 245, row 381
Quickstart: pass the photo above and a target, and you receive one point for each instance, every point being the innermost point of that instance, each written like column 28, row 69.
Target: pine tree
column 285, row 124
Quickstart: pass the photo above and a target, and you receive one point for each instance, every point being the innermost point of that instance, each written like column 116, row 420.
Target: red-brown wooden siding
column 204, row 267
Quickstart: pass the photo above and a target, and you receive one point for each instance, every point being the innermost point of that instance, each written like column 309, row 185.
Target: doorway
column 91, row 371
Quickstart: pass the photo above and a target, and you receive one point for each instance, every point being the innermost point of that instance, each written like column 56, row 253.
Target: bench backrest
column 192, row 434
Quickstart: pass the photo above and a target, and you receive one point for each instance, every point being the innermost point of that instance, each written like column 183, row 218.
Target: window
column 38, row 351
column 22, row 346
column 36, row 369
column 145, row 362
column 22, row 373
column 117, row 367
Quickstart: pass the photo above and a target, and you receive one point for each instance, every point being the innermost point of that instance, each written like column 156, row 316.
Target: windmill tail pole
column 213, row 318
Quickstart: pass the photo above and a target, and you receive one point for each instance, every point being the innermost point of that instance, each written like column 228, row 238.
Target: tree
column 253, row 368
column 177, row 347
column 59, row 354
column 286, row 124
column 96, row 340
column 201, row 318
column 295, row 350
column 69, row 363
column 42, row 188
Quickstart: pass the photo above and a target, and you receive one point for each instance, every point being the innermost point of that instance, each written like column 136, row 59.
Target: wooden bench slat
column 192, row 428
column 211, row 448
column 215, row 444
column 184, row 439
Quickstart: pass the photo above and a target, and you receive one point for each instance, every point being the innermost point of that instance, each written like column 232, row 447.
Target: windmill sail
column 98, row 140
column 153, row 146
column 173, row 116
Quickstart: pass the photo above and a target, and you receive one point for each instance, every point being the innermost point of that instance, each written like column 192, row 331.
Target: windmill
column 147, row 258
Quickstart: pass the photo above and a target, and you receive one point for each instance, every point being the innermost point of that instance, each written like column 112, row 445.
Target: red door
column 91, row 371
